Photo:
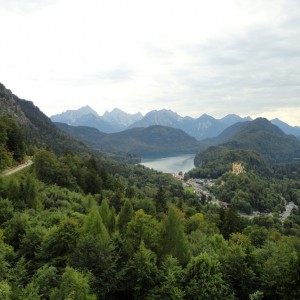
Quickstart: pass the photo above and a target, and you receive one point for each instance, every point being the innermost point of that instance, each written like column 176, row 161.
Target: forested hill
column 262, row 137
column 37, row 128
column 153, row 140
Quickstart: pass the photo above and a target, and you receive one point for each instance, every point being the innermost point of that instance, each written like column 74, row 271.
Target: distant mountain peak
column 231, row 119
column 87, row 110
column 120, row 117
column 162, row 111
column 70, row 116
column 164, row 117
column 206, row 116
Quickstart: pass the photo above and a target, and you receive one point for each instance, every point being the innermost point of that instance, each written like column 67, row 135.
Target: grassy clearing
column 189, row 189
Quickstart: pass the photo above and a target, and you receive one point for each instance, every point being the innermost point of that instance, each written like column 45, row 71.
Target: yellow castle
column 237, row 168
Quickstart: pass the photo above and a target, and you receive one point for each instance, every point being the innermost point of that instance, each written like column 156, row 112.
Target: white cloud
column 192, row 56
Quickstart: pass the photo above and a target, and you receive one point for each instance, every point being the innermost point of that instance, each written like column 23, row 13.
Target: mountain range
column 110, row 122
column 264, row 140
column 117, row 120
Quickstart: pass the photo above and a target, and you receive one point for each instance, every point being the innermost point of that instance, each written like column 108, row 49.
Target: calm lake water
column 171, row 164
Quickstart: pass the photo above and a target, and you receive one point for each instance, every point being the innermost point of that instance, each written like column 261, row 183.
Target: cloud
column 115, row 75
column 194, row 57
column 25, row 6
column 254, row 72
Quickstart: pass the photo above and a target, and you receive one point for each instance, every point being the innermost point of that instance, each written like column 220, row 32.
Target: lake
column 171, row 164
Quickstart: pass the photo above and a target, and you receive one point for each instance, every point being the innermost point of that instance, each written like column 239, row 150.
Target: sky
column 191, row 56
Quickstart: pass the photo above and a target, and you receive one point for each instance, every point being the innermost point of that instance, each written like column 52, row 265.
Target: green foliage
column 247, row 191
column 279, row 268
column 160, row 200
column 74, row 285
column 60, row 242
column 217, row 160
column 237, row 269
column 19, row 277
column 45, row 164
column 174, row 241
column 46, row 279
column 5, row 290
column 6, row 210
column 16, row 228
column 144, row 228
column 30, row 292
column 108, row 215
column 125, row 216
column 204, row 279
column 86, row 227
column 170, row 280
column 5, row 252
column 142, row 271
column 12, row 147
column 28, row 193
column 231, row 222
column 98, row 257
column 93, row 225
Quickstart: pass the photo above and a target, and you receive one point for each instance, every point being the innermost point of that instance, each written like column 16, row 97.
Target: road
column 288, row 210
column 18, row 168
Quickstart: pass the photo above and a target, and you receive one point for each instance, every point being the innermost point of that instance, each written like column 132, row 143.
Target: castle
column 237, row 168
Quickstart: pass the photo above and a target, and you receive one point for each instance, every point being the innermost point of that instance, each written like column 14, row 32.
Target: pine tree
column 125, row 216
column 94, row 226
column 174, row 241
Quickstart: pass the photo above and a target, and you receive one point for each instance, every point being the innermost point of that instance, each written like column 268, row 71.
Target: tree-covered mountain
column 267, row 139
column 225, row 135
column 259, row 136
column 149, row 141
column 37, row 128
column 39, row 131
column 12, row 146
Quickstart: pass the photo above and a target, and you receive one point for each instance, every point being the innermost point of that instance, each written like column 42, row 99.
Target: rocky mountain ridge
column 200, row 128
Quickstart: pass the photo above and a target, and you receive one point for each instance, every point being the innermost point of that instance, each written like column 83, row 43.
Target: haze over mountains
column 200, row 128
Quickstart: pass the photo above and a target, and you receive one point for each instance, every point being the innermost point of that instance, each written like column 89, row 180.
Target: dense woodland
column 76, row 227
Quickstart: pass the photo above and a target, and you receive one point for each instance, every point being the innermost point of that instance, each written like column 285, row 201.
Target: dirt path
column 18, row 168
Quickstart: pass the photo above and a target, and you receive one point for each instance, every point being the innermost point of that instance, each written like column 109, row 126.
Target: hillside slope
column 37, row 128
column 153, row 140
column 260, row 136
